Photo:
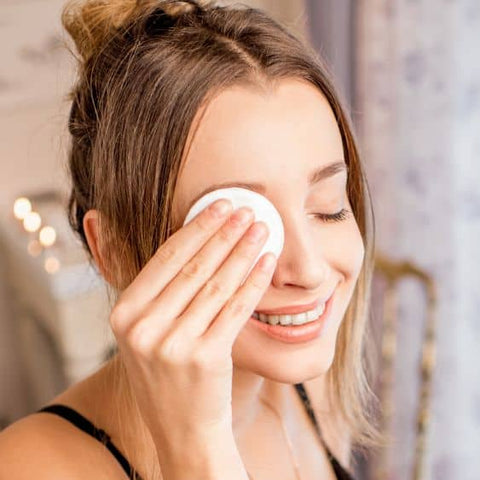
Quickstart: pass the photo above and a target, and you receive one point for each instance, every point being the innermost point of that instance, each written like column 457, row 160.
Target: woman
column 174, row 99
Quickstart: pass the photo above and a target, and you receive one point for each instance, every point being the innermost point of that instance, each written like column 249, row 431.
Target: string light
column 21, row 207
column 32, row 222
column 34, row 248
column 52, row 265
column 47, row 236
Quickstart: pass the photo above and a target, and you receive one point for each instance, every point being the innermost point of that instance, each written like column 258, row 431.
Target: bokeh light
column 21, row 207
column 47, row 236
column 52, row 265
column 34, row 248
column 32, row 222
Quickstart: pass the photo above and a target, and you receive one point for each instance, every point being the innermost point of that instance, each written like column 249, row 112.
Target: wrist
column 209, row 456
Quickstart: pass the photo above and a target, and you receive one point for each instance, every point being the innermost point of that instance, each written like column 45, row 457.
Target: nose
column 303, row 262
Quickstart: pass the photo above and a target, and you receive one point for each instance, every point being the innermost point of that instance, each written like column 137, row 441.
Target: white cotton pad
column 261, row 206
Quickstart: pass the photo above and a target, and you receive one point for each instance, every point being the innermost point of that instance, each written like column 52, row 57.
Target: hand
column 177, row 321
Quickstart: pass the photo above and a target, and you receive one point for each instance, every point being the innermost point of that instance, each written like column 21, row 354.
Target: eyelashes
column 334, row 217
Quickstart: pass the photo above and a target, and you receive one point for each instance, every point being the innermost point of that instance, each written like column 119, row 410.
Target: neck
column 247, row 389
column 248, row 411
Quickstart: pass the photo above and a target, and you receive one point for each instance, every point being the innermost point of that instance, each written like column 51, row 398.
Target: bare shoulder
column 44, row 446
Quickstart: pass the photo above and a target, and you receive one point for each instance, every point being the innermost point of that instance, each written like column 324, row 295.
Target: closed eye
column 334, row 217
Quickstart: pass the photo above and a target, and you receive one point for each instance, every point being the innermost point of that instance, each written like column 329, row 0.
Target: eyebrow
column 316, row 176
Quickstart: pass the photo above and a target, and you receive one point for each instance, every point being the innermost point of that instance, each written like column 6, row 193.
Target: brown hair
column 145, row 69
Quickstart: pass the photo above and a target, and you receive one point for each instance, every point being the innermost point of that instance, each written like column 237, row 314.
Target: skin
column 264, row 144
column 247, row 136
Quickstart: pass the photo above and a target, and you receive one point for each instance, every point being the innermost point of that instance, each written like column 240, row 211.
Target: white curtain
column 418, row 102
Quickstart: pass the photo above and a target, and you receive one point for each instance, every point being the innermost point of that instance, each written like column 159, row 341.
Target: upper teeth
column 297, row 319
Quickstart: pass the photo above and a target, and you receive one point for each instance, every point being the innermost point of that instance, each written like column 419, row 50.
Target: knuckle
column 194, row 269
column 204, row 223
column 172, row 351
column 241, row 308
column 225, row 235
column 201, row 359
column 213, row 288
column 139, row 340
column 166, row 254
column 118, row 318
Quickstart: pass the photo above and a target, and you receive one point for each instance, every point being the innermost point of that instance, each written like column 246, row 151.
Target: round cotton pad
column 262, row 207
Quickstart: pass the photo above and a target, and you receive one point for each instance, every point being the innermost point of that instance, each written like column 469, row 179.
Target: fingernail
column 256, row 232
column 241, row 216
column 268, row 262
column 221, row 208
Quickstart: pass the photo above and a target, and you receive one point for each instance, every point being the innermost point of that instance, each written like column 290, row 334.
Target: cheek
column 347, row 250
column 358, row 249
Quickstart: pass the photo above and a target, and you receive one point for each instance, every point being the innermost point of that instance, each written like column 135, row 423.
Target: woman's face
column 279, row 140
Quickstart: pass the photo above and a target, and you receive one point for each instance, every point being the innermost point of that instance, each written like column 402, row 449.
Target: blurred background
column 409, row 71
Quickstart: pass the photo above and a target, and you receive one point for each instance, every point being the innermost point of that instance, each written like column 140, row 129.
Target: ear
column 91, row 229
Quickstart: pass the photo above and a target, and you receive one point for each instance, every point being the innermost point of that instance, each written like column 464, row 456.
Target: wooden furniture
column 393, row 272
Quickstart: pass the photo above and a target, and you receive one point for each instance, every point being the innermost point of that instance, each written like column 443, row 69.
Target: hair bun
column 91, row 22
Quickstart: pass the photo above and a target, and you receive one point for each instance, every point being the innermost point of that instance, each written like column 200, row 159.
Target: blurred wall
column 331, row 32
column 418, row 93
column 34, row 74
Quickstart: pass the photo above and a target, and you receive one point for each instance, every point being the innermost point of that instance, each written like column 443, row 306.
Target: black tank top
column 82, row 423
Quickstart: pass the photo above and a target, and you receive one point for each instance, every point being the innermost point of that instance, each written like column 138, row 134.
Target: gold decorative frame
column 393, row 271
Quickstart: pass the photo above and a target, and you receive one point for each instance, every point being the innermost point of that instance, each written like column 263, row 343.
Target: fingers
column 226, row 327
column 222, row 287
column 167, row 262
column 199, row 275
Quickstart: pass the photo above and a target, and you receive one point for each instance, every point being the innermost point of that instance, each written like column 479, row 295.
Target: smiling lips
column 296, row 333
column 290, row 310
column 294, row 309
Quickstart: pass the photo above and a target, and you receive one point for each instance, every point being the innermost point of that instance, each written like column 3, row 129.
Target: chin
column 297, row 366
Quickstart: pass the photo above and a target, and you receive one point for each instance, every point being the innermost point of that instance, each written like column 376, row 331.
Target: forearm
column 214, row 459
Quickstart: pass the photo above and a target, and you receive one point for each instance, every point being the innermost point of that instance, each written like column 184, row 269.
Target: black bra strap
column 340, row 472
column 88, row 427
